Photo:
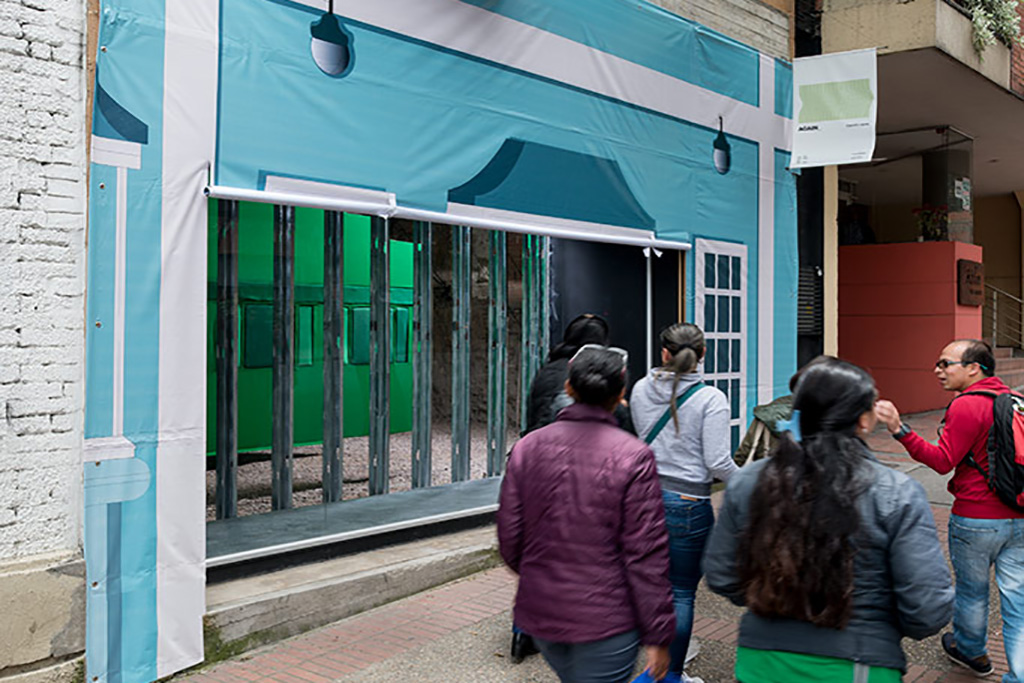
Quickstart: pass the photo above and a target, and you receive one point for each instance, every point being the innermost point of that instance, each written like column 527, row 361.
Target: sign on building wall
column 835, row 106
column 970, row 283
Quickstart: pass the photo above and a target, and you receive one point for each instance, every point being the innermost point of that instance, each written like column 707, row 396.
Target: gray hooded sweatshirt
column 700, row 451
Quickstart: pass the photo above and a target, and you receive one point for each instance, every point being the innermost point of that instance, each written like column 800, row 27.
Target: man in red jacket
column 982, row 530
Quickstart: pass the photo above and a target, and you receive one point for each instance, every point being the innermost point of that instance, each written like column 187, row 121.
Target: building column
column 830, row 260
column 946, row 181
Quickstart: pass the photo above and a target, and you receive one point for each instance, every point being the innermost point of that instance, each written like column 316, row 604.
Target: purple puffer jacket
column 582, row 523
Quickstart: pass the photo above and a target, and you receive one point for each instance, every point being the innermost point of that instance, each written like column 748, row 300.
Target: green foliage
column 932, row 222
column 994, row 20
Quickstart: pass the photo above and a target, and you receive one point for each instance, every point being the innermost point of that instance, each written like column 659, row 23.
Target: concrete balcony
column 896, row 26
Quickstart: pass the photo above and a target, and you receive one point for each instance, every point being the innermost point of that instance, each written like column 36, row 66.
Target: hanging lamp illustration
column 331, row 44
column 722, row 154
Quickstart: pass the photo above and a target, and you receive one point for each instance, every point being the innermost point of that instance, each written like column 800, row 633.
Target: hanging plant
column 994, row 20
column 932, row 222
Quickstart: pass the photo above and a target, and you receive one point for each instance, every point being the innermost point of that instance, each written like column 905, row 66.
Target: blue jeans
column 610, row 660
column 974, row 546
column 689, row 524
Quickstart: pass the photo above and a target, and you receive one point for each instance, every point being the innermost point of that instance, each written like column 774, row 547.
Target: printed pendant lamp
column 331, row 45
column 722, row 154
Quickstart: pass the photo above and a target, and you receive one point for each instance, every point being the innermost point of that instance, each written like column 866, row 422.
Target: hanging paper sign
column 835, row 102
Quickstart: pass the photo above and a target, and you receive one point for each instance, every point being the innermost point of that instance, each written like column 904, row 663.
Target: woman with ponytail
column 686, row 424
column 834, row 554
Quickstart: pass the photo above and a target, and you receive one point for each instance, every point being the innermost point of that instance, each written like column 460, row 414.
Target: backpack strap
column 660, row 424
column 969, row 458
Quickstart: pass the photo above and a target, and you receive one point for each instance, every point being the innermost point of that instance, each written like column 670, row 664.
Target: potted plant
column 932, row 222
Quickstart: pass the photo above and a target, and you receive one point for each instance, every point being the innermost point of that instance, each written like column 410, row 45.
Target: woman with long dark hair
column 579, row 520
column 834, row 554
column 686, row 423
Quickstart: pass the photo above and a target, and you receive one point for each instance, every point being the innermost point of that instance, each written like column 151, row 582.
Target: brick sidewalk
column 354, row 644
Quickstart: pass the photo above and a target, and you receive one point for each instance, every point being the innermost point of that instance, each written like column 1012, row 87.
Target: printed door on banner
column 721, row 311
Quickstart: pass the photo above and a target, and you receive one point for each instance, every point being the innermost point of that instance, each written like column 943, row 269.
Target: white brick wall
column 42, row 267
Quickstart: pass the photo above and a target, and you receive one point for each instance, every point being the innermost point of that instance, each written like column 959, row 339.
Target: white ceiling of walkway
column 924, row 88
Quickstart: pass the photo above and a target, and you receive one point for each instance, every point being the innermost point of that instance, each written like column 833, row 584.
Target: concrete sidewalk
column 461, row 631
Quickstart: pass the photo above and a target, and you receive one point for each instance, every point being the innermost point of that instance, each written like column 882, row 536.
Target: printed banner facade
column 611, row 119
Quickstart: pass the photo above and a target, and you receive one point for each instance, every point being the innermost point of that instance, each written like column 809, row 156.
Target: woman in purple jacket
column 581, row 522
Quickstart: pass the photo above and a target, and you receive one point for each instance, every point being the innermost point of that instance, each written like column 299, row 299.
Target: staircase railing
column 1003, row 317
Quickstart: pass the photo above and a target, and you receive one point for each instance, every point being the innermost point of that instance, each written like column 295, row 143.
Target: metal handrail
column 1007, row 324
column 1002, row 292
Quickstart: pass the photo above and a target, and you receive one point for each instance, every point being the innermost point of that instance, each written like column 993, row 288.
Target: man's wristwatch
column 903, row 431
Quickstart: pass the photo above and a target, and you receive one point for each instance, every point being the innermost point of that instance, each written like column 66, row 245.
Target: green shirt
column 775, row 666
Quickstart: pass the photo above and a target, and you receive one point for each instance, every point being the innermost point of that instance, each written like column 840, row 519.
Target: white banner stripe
column 766, row 245
column 485, row 35
column 189, row 135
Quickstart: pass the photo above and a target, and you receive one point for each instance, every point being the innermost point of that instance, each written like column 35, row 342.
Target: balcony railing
column 1003, row 318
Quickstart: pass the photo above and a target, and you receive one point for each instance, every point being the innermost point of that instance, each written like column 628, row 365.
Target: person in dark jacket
column 580, row 520
column 547, row 392
column 547, row 397
column 834, row 554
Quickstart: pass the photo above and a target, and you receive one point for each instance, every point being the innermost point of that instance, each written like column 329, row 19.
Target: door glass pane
column 736, row 273
column 709, row 358
column 709, row 271
column 723, row 386
column 258, row 337
column 304, row 335
column 723, row 272
column 709, row 313
column 734, row 395
column 723, row 314
column 735, row 438
column 358, row 336
column 722, row 362
column 735, row 355
column 736, row 314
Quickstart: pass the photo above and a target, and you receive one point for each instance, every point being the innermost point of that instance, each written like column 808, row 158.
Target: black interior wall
column 810, row 189
column 810, row 226
column 666, row 295
column 610, row 280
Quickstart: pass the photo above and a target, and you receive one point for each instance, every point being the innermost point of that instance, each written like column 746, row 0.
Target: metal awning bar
column 387, row 207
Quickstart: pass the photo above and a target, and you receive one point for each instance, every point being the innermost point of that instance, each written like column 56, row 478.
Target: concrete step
column 1007, row 366
column 249, row 612
column 1001, row 352
column 1013, row 378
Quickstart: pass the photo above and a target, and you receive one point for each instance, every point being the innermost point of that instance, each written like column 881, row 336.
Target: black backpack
column 1005, row 474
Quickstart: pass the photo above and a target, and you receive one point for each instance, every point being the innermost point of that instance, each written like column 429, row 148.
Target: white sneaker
column 690, row 679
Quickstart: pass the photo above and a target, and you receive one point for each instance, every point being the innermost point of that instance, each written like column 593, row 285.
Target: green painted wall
column 255, row 277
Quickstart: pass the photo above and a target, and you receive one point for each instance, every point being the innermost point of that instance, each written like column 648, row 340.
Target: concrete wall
column 897, row 308
column 765, row 26
column 899, row 25
column 42, row 235
column 997, row 228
